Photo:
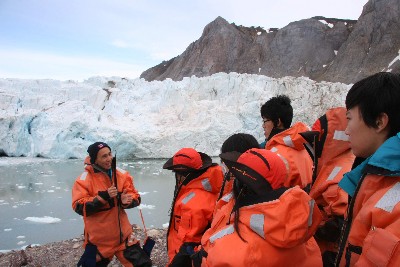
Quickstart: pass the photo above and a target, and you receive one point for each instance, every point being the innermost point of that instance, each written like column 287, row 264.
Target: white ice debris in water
column 143, row 193
column 20, row 237
column 165, row 225
column 7, row 229
column 144, row 206
column 21, row 242
column 45, row 219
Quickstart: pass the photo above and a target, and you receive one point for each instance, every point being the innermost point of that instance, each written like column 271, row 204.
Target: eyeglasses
column 266, row 120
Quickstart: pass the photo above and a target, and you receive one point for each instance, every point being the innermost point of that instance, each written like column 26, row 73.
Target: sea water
column 35, row 198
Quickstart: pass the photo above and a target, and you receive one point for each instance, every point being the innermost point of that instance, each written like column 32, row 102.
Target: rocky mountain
column 323, row 49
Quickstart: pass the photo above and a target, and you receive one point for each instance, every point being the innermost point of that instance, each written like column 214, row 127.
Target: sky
column 79, row 39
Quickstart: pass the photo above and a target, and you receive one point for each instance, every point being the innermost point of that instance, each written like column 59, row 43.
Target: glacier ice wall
column 55, row 119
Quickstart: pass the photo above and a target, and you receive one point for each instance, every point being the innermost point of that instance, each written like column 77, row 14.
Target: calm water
column 41, row 189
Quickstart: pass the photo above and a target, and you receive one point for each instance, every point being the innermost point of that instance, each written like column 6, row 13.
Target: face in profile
column 362, row 138
column 267, row 125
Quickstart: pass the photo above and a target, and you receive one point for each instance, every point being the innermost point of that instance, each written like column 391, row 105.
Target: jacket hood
column 336, row 142
column 290, row 137
column 88, row 165
column 285, row 222
column 210, row 181
column 385, row 161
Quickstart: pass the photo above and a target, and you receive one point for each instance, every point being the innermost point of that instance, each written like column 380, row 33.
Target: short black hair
column 240, row 142
column 276, row 108
column 377, row 94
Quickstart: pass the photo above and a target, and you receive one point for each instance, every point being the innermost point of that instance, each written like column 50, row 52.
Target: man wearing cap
column 264, row 223
column 198, row 182
column 101, row 194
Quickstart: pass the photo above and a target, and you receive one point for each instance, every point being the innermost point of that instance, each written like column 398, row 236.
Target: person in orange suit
column 198, row 183
column 265, row 223
column 101, row 194
column 371, row 232
column 333, row 157
column 286, row 141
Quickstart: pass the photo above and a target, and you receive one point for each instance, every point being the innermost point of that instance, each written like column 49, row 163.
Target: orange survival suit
column 371, row 233
column 288, row 144
column 106, row 225
column 335, row 158
column 276, row 233
column 192, row 213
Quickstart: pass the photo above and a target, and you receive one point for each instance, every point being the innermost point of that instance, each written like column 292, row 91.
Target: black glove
column 88, row 259
column 330, row 231
column 182, row 258
column 198, row 257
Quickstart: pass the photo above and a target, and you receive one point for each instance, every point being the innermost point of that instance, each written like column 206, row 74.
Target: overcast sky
column 78, row 39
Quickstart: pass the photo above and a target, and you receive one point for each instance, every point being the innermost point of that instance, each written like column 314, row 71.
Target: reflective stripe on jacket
column 277, row 233
column 335, row 160
column 289, row 146
column 101, row 220
column 193, row 210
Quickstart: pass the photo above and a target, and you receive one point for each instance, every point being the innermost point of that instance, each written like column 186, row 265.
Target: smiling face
column 364, row 140
column 104, row 158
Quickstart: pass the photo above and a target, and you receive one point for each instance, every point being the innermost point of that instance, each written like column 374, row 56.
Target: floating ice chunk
column 45, row 219
column 21, row 242
column 20, row 237
column 7, row 229
column 144, row 206
column 143, row 193
column 165, row 225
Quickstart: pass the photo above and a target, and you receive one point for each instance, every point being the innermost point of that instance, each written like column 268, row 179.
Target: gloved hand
column 198, row 256
column 330, row 231
column 88, row 258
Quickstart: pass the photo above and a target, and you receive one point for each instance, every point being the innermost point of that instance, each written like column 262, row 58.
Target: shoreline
column 67, row 253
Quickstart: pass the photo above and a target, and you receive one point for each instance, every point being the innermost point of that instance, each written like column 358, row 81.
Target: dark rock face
column 372, row 45
column 328, row 49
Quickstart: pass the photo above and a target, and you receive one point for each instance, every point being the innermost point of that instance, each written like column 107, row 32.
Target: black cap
column 94, row 148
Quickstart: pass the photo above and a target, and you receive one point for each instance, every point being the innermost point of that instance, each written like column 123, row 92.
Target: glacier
column 139, row 119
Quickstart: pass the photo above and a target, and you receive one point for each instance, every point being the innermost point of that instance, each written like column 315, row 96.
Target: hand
column 126, row 199
column 112, row 191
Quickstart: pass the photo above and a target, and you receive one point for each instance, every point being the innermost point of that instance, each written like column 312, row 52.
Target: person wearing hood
column 371, row 232
column 101, row 194
column 198, row 183
column 286, row 141
column 265, row 223
column 240, row 142
column 330, row 148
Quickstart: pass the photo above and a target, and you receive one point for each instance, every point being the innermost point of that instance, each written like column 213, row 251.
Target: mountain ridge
column 323, row 49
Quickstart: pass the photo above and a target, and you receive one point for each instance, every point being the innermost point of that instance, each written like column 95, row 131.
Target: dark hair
column 240, row 142
column 376, row 94
column 276, row 108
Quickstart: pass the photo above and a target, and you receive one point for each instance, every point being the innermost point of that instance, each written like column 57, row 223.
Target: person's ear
column 280, row 124
column 382, row 122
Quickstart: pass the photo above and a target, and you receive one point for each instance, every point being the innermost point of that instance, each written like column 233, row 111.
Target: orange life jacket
column 374, row 238
column 289, row 146
column 103, row 225
column 193, row 210
column 335, row 159
column 276, row 233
